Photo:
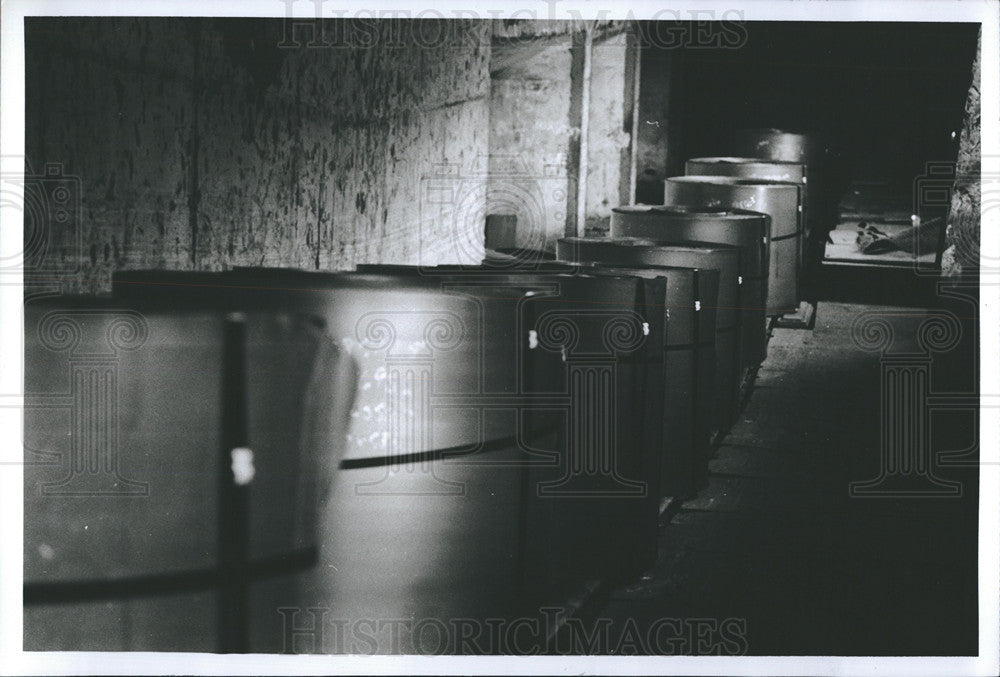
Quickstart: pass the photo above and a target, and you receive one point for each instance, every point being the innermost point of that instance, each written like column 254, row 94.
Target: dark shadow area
column 885, row 96
column 778, row 545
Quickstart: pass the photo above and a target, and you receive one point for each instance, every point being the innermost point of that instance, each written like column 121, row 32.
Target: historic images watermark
column 909, row 403
column 908, row 466
column 313, row 630
column 406, row 351
column 522, row 203
column 561, row 360
column 933, row 194
column 87, row 344
column 47, row 205
column 323, row 24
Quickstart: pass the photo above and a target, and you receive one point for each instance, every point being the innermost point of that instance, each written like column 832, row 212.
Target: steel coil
column 728, row 305
column 689, row 298
column 781, row 201
column 748, row 230
column 751, row 168
column 174, row 463
column 780, row 145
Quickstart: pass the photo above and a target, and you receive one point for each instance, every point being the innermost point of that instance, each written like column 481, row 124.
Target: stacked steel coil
column 728, row 304
column 781, row 145
column 750, row 231
column 452, row 442
column 752, row 168
column 584, row 322
column 779, row 200
column 809, row 150
column 174, row 459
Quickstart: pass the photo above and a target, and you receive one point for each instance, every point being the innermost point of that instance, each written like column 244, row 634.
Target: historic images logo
column 47, row 205
column 908, row 464
column 312, row 630
column 409, row 357
column 322, row 24
column 88, row 343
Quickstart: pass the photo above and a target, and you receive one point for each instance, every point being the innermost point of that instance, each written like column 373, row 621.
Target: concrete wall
column 534, row 136
column 962, row 236
column 536, row 123
column 609, row 145
column 110, row 103
column 202, row 144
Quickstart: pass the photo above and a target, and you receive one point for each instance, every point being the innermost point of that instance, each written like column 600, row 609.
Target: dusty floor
column 777, row 544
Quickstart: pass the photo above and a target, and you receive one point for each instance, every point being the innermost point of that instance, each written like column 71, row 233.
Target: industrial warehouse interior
column 501, row 337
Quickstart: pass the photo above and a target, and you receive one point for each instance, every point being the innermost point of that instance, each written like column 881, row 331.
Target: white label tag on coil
column 532, row 339
column 697, row 306
column 740, row 279
column 645, row 328
column 242, row 466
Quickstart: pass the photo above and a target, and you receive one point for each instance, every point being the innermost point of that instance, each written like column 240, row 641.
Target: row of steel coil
column 397, row 459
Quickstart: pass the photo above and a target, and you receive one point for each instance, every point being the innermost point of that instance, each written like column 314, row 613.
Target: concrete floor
column 777, row 543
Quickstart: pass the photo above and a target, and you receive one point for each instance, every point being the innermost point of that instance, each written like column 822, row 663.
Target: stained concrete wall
column 111, row 102
column 534, row 136
column 610, row 125
column 536, row 119
column 202, row 144
column 961, row 255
